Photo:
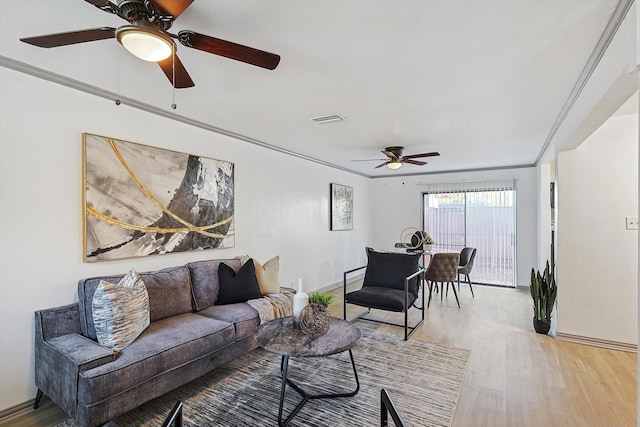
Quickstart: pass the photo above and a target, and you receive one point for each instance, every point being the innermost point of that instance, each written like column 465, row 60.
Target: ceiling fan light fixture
column 145, row 43
column 394, row 164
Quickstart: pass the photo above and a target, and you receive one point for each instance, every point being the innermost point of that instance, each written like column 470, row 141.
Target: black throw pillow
column 237, row 287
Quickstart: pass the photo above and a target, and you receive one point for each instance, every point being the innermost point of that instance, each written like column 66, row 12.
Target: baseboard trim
column 16, row 411
column 596, row 342
column 339, row 284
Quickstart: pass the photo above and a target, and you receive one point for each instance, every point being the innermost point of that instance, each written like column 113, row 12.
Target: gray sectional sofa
column 188, row 336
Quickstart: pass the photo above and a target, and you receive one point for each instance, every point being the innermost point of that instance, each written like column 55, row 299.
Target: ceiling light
column 394, row 164
column 145, row 43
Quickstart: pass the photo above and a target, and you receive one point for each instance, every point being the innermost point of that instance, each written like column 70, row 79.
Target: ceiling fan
column 148, row 38
column 396, row 159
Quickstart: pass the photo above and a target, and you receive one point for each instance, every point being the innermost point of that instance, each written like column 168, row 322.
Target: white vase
column 427, row 247
column 300, row 300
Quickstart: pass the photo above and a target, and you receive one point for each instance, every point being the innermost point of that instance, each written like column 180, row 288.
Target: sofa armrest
column 82, row 352
column 61, row 353
column 59, row 362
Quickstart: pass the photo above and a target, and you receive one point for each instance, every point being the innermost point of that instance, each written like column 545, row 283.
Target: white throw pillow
column 120, row 311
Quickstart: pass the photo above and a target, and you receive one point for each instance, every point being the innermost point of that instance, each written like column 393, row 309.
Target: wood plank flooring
column 515, row 377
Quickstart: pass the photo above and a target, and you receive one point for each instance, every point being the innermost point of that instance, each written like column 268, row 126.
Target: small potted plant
column 543, row 291
column 427, row 242
column 314, row 319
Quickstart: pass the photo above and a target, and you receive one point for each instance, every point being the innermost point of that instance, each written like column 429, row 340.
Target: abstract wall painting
column 341, row 207
column 141, row 200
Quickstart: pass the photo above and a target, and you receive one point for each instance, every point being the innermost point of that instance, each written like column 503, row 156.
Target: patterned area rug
column 423, row 379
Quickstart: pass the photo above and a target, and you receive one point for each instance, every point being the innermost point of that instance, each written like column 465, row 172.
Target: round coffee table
column 281, row 336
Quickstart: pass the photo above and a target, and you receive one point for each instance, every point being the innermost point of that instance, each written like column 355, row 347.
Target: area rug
column 424, row 380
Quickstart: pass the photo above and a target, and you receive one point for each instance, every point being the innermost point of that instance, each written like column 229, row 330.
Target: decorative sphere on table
column 314, row 320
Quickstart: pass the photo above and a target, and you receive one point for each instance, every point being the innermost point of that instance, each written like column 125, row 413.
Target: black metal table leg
column 284, row 364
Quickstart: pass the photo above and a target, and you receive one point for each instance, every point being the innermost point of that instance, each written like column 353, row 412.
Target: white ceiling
column 479, row 81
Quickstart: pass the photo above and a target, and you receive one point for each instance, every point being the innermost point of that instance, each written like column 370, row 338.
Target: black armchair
column 174, row 418
column 388, row 408
column 391, row 282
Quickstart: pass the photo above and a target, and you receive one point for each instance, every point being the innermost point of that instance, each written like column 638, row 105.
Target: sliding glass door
column 480, row 215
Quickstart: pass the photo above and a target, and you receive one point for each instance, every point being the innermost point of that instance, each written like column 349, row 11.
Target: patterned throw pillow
column 268, row 275
column 120, row 311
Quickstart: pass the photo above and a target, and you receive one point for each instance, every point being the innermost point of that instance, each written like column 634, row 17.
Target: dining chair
column 442, row 269
column 467, row 255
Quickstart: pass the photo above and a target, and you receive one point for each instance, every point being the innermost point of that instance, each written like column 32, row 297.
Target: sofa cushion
column 237, row 287
column 120, row 311
column 204, row 280
column 169, row 294
column 165, row 345
column 381, row 298
column 244, row 318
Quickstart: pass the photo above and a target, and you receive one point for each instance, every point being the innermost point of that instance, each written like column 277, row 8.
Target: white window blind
column 480, row 214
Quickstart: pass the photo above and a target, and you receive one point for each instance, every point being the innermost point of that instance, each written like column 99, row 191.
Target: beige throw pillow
column 268, row 275
column 120, row 311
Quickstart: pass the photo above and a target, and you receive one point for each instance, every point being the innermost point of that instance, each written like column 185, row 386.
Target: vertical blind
column 480, row 214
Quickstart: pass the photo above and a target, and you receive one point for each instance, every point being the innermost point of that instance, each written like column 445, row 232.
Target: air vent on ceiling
column 328, row 118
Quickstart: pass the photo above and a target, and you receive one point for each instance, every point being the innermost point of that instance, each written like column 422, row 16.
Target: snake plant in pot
column 543, row 291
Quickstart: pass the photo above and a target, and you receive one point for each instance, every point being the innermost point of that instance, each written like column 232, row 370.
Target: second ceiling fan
column 148, row 38
column 396, row 158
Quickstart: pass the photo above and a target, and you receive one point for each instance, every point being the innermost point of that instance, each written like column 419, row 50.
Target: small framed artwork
column 341, row 207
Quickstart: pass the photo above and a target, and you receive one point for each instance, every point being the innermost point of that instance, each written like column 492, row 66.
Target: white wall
column 282, row 207
column 597, row 256
column 398, row 202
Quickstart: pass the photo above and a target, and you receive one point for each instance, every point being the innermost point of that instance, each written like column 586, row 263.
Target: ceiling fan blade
column 183, row 80
column 413, row 156
column 414, row 162
column 390, row 154
column 368, row 160
column 228, row 49
column 379, row 166
column 72, row 37
column 171, row 7
column 98, row 3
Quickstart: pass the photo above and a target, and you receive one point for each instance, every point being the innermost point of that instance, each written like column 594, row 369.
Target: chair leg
column 430, row 290
column 470, row 287
column 454, row 292
column 441, row 290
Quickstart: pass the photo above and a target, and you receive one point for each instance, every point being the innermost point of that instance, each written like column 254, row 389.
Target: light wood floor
column 515, row 377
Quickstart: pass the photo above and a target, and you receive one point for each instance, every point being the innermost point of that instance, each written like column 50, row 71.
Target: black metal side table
column 281, row 337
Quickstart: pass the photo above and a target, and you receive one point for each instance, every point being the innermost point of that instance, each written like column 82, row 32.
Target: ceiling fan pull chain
column 173, row 80
column 118, row 102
